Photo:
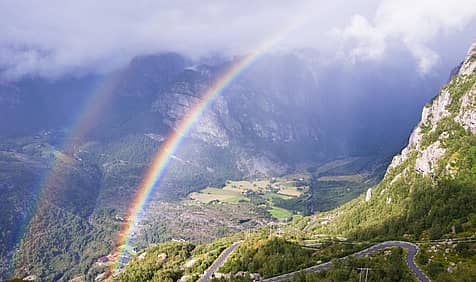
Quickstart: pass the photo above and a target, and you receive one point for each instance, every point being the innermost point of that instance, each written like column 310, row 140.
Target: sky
column 53, row 37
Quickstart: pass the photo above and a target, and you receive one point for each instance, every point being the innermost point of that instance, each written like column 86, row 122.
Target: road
column 412, row 250
column 219, row 262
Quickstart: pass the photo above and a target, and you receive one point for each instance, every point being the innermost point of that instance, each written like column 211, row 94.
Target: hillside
column 427, row 196
column 431, row 183
column 74, row 149
column 429, row 188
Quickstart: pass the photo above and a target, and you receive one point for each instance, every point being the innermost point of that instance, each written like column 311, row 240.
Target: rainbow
column 83, row 120
column 163, row 155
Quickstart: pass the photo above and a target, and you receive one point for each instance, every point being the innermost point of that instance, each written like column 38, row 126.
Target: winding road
column 411, row 248
column 219, row 262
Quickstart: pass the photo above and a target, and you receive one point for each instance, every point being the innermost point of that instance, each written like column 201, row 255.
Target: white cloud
column 55, row 36
column 415, row 24
column 365, row 40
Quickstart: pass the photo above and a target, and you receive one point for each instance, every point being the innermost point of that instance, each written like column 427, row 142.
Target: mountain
column 427, row 196
column 440, row 152
column 74, row 149
column 428, row 191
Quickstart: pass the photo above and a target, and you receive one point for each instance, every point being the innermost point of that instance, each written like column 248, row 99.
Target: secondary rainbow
column 168, row 148
column 83, row 121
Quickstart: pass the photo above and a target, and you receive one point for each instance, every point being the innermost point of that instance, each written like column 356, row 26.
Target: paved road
column 219, row 262
column 410, row 260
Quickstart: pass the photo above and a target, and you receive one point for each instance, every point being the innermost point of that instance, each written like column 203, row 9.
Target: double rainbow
column 162, row 157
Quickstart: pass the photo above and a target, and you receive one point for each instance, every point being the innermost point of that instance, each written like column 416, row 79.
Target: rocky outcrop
column 427, row 159
column 469, row 63
column 256, row 123
column 431, row 115
column 259, row 165
column 467, row 114
column 368, row 195
column 428, row 156
column 179, row 100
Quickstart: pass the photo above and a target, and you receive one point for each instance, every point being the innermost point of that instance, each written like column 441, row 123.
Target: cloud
column 52, row 37
column 413, row 23
column 56, row 36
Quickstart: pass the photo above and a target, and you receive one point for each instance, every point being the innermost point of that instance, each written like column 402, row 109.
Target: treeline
column 61, row 245
column 269, row 257
column 384, row 266
column 173, row 261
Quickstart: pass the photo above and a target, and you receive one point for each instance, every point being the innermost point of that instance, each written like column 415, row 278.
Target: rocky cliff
column 429, row 188
column 455, row 105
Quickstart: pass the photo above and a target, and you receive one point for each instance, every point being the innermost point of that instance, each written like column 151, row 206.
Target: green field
column 274, row 196
column 216, row 194
column 280, row 213
column 259, row 192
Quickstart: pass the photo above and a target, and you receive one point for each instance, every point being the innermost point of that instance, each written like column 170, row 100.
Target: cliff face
column 264, row 123
column 246, row 114
column 431, row 184
column 455, row 105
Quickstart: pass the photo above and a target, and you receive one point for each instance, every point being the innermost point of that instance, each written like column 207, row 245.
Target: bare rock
column 470, row 62
column 426, row 161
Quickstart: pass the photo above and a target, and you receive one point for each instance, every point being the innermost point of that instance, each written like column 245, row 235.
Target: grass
column 232, row 190
column 280, row 213
column 211, row 194
column 233, row 196
column 267, row 193
column 273, row 196
column 349, row 178
column 246, row 185
column 291, row 191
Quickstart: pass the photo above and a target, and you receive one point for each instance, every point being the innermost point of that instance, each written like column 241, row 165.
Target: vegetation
column 451, row 260
column 269, row 257
column 388, row 265
column 75, row 222
column 172, row 261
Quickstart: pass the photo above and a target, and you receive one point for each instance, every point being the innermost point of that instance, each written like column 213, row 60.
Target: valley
column 239, row 205
column 426, row 196
column 302, row 141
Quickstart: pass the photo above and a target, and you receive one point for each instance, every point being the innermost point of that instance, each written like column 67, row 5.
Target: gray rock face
column 470, row 61
column 368, row 195
column 259, row 165
column 436, row 111
column 250, row 120
column 427, row 159
column 180, row 99
column 430, row 116
column 467, row 114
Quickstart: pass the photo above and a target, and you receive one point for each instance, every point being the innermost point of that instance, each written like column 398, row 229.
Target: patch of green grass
column 212, row 194
column 280, row 213
column 349, row 178
column 236, row 200
column 273, row 196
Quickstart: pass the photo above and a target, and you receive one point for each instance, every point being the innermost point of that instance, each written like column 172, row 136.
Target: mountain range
column 74, row 149
column 427, row 197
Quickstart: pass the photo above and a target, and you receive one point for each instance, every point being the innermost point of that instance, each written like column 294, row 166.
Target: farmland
column 263, row 193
